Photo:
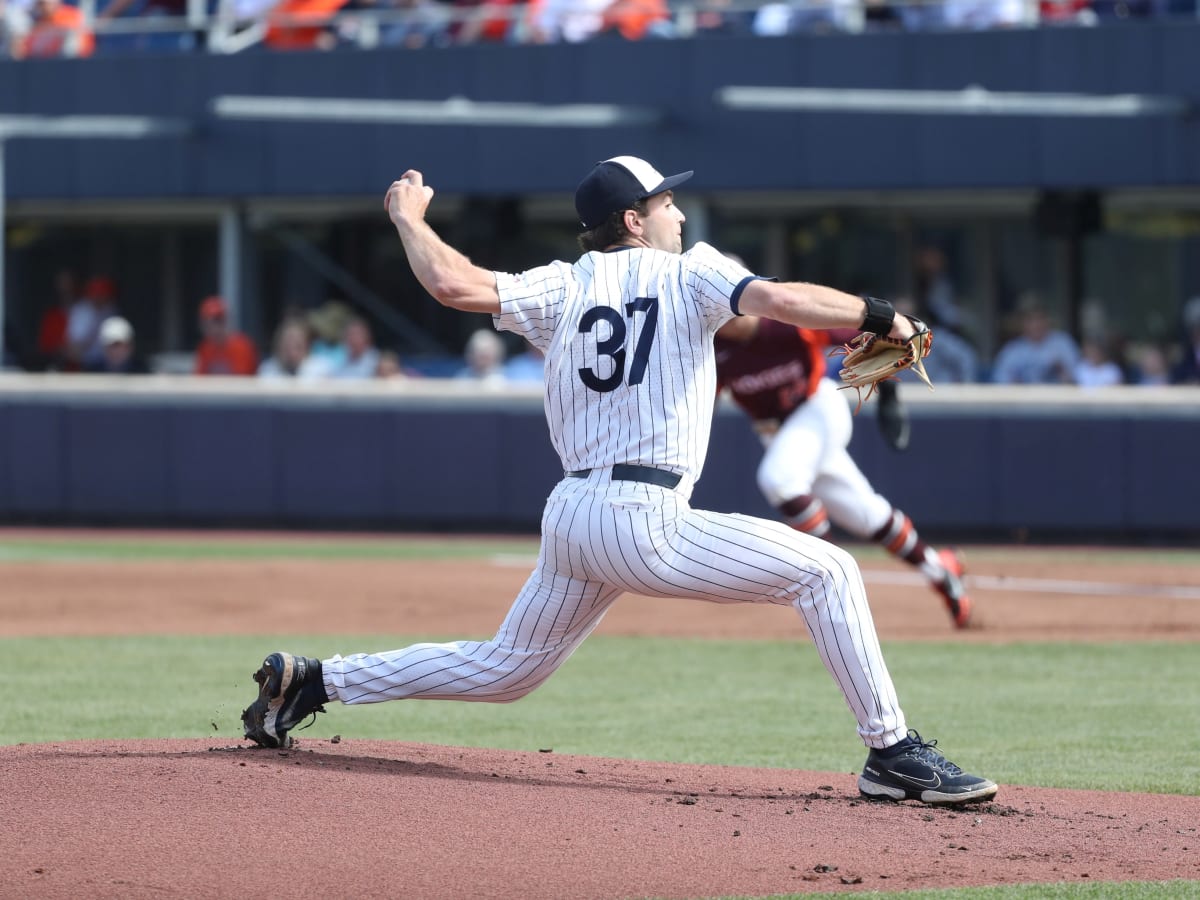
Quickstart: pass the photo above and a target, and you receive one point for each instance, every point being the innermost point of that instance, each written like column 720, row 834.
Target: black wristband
column 880, row 315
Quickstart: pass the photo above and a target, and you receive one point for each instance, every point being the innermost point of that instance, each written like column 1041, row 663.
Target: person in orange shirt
column 636, row 19
column 302, row 25
column 57, row 30
column 222, row 351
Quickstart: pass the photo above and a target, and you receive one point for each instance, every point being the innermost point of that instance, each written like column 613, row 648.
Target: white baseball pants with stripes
column 809, row 455
column 603, row 538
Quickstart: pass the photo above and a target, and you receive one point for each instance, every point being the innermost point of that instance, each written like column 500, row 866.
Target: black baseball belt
column 644, row 474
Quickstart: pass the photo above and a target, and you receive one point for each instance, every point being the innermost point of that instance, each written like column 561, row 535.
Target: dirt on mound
column 356, row 818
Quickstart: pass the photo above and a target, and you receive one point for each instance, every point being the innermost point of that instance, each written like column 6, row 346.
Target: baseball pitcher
column 630, row 381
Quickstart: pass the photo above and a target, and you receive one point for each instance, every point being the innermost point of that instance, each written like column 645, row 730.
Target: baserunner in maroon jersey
column 776, row 373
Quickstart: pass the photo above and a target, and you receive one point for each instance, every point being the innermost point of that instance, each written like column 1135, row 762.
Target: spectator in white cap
column 116, row 341
column 483, row 358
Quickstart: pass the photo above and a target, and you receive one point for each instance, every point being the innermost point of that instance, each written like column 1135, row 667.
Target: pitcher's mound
column 198, row 818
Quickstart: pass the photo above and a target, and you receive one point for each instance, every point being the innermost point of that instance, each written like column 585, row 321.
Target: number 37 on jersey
column 640, row 319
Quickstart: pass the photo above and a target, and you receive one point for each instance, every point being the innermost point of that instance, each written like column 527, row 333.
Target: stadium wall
column 984, row 461
column 225, row 158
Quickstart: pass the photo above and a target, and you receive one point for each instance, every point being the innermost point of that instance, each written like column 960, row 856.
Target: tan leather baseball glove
column 870, row 359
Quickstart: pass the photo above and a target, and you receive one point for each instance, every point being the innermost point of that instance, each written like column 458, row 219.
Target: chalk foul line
column 1005, row 583
column 1045, row 585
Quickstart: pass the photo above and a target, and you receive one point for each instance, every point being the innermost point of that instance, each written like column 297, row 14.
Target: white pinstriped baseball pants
column 601, row 539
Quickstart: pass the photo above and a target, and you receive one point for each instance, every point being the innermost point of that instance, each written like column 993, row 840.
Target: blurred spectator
column 982, row 14
column 637, row 19
column 527, row 367
column 772, row 20
column 1102, row 348
column 97, row 303
column 1040, row 354
column 361, row 358
column 934, row 291
column 56, row 29
column 14, row 25
column 1150, row 366
column 484, row 358
column 953, row 360
column 823, row 16
column 302, row 25
column 719, row 17
column 327, row 325
column 957, row 361
column 1121, row 10
column 245, row 14
column 290, row 357
column 1187, row 371
column 573, row 21
column 1066, row 12
column 1093, row 319
column 775, row 19
column 1096, row 367
column 482, row 20
column 922, row 16
column 180, row 38
column 221, row 350
column 392, row 367
column 52, row 327
column 410, row 24
column 119, row 358
column 881, row 15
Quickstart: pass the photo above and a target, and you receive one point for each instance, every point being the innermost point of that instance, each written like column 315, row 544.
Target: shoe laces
column 312, row 717
column 928, row 753
column 311, row 685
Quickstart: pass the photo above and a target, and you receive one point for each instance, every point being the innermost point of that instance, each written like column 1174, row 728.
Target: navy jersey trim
column 737, row 291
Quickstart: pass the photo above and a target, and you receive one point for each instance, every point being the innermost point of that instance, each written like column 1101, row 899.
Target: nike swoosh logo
column 933, row 782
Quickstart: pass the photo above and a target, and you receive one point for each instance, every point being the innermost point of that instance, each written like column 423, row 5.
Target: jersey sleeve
column 530, row 302
column 717, row 280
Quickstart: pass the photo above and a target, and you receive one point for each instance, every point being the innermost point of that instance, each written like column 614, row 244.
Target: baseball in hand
column 425, row 189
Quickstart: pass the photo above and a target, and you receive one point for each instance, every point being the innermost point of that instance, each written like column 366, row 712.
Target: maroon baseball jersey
column 775, row 371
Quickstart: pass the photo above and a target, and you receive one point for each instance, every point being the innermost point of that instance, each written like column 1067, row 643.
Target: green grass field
column 170, row 547
column 1109, row 717
column 1117, row 717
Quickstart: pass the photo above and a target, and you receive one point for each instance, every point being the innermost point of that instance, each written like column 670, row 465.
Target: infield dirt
column 199, row 818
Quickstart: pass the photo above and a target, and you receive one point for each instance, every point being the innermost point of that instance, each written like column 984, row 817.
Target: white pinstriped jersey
column 627, row 335
column 631, row 378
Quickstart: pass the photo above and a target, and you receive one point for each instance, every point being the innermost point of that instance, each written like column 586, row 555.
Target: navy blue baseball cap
column 618, row 183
